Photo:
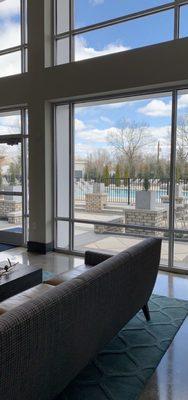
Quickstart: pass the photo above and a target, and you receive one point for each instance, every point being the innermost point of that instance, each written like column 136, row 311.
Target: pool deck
column 86, row 238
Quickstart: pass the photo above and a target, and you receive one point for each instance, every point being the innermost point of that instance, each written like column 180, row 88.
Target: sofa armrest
column 93, row 258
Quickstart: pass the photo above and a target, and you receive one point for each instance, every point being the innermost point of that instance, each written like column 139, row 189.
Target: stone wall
column 112, row 229
column 9, row 206
column 149, row 218
column 178, row 200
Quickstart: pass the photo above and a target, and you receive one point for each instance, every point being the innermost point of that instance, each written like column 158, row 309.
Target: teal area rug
column 122, row 369
column 5, row 247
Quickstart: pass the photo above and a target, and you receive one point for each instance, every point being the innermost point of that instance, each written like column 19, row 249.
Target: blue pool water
column 121, row 194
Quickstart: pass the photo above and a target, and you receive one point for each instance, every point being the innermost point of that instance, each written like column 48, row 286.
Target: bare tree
column 182, row 139
column 96, row 163
column 128, row 140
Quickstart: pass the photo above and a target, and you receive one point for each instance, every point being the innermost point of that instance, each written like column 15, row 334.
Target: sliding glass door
column 13, row 176
column 122, row 174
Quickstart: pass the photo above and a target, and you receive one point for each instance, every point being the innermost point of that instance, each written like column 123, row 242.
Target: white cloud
column 159, row 108
column 105, row 119
column 10, row 64
column 161, row 132
column 9, row 35
column 82, row 51
column 96, row 2
column 9, row 8
column 183, row 101
column 156, row 108
column 95, row 136
column 79, row 125
column 10, row 123
column 88, row 140
column 83, row 149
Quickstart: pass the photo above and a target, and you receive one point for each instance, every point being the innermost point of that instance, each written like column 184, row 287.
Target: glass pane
column 62, row 152
column 10, row 167
column 26, row 22
column 93, row 11
column 180, row 250
column 63, row 51
column 181, row 204
column 25, row 53
column 62, row 16
column 122, row 161
column 10, row 123
column 10, row 64
column 26, row 123
column 10, row 30
column 181, row 188
column 125, row 36
column 63, row 235
column 86, row 238
column 183, row 21
column 11, row 213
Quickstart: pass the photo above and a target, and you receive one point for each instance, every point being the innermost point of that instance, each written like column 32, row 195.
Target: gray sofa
column 46, row 341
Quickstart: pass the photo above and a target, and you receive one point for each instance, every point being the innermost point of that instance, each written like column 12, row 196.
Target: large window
column 89, row 28
column 181, row 180
column 13, row 37
column 122, row 174
column 13, row 175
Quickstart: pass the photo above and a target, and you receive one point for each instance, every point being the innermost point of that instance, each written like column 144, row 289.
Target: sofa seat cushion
column 67, row 276
column 22, row 297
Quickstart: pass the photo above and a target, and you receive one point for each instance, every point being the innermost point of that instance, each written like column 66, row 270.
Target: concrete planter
column 179, row 190
column 145, row 200
column 98, row 187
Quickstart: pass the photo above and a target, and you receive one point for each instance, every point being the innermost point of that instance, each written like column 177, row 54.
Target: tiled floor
column 170, row 381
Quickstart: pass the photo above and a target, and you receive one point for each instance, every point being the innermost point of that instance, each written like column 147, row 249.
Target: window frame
column 23, row 139
column 72, row 33
column 72, row 220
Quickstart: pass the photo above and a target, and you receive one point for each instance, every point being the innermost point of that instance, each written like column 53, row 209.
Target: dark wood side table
column 21, row 278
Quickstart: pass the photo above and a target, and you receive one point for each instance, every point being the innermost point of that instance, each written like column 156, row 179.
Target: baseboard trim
column 41, row 248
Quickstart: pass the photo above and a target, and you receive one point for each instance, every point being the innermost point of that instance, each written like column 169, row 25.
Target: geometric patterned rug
column 122, row 369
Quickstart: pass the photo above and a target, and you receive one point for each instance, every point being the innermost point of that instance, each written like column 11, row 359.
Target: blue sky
column 9, row 11
column 132, row 34
column 94, row 123
column 10, row 36
column 184, row 21
column 124, row 36
column 9, row 24
column 100, row 10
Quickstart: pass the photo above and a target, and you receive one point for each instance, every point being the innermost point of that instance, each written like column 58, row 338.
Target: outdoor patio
column 87, row 239
column 118, row 205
